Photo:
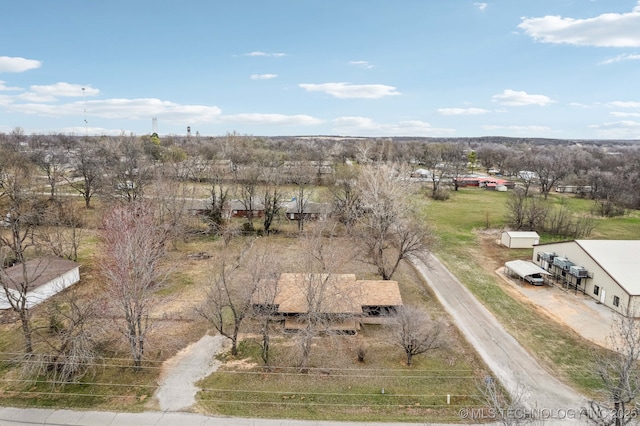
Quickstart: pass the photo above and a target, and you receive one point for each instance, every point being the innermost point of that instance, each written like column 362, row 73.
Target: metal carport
column 523, row 268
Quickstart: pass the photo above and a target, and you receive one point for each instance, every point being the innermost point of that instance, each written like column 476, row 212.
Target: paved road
column 509, row 361
column 24, row 417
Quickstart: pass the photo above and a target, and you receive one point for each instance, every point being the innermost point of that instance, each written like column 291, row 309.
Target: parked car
column 534, row 279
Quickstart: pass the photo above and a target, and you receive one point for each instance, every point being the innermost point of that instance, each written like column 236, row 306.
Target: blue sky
column 545, row 68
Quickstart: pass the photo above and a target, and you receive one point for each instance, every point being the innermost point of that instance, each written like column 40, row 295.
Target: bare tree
column 347, row 203
column 265, row 310
column 71, row 338
column 561, row 221
column 323, row 300
column 215, row 211
column 493, row 156
column 507, row 407
column 550, row 168
column 387, row 231
column 232, row 289
column 525, row 212
column 445, row 162
column 608, row 191
column 130, row 170
column 247, row 192
column 619, row 373
column 50, row 161
column 87, row 171
column 273, row 193
column 61, row 228
column 133, row 246
column 23, row 215
column 415, row 332
column 301, row 175
column 170, row 197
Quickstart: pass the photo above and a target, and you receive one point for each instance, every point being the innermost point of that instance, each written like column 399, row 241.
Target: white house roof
column 522, row 234
column 619, row 258
column 523, row 268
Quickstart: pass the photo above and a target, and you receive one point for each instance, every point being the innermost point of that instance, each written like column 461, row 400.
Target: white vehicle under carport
column 526, row 271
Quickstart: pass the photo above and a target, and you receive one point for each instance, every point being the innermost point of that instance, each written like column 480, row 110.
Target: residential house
column 310, row 211
column 342, row 301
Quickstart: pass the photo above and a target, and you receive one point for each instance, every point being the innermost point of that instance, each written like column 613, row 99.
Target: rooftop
column 39, row 271
column 619, row 258
column 332, row 293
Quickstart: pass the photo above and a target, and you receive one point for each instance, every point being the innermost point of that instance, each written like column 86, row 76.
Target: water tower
column 154, row 125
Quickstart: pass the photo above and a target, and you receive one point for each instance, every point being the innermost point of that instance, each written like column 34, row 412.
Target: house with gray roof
column 36, row 280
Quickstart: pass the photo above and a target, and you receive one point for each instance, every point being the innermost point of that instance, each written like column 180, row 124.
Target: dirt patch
column 241, row 364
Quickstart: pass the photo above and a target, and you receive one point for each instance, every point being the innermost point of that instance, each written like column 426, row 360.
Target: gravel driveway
column 177, row 390
column 508, row 360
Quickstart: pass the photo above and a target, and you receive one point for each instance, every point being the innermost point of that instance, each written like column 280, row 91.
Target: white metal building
column 607, row 270
column 519, row 239
column 45, row 277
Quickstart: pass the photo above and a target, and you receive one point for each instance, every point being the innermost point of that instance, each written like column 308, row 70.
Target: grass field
column 337, row 386
column 460, row 223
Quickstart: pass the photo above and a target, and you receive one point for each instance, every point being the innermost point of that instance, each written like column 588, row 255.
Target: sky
column 566, row 69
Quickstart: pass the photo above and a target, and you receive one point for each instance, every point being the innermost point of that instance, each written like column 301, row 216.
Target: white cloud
column 274, row 55
column 625, row 129
column 624, row 104
column 362, row 126
column 52, row 92
column 7, row 88
column 64, row 90
column 518, row 128
column 619, row 58
column 352, row 91
column 15, row 64
column 263, row 76
column 515, row 98
column 124, row 109
column 578, row 105
column 271, row 119
column 463, row 111
column 624, row 114
column 481, row 6
column 606, row 30
column 361, row 64
column 6, row 100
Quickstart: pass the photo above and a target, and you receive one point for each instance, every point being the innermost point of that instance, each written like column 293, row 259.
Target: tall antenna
column 86, row 123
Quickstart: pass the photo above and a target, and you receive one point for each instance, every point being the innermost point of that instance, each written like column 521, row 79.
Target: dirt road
column 509, row 361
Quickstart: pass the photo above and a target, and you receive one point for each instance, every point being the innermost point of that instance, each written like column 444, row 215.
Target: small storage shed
column 46, row 277
column 519, row 239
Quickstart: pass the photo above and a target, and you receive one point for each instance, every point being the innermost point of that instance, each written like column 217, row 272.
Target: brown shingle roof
column 334, row 293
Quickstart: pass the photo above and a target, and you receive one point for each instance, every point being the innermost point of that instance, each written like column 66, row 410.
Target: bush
column 441, row 194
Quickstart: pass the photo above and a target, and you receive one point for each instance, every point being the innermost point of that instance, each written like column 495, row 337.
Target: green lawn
column 458, row 223
column 381, row 389
column 337, row 386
